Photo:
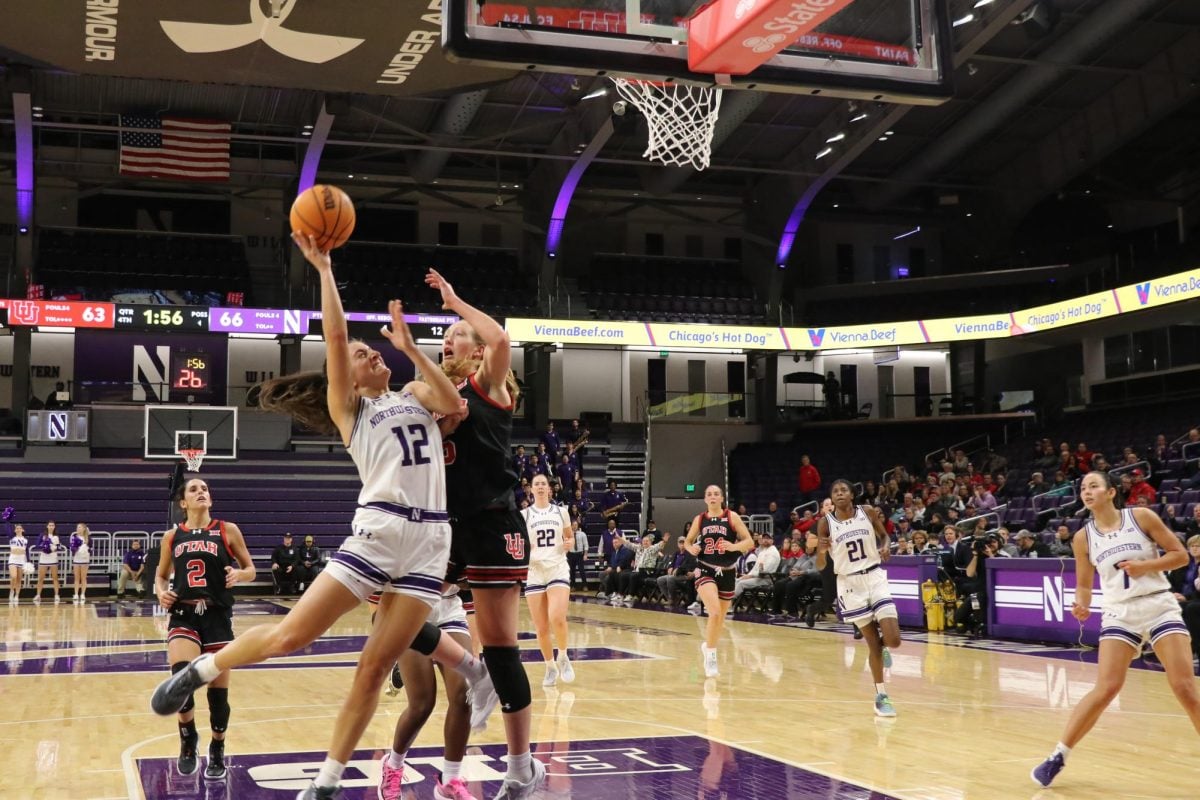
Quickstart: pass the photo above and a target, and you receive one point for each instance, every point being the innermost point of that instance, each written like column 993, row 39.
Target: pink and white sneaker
column 453, row 789
column 391, row 780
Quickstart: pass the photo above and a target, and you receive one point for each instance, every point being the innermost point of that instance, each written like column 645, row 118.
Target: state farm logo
column 764, row 44
column 744, row 7
column 315, row 48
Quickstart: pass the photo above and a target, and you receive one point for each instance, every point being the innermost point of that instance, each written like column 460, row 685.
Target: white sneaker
column 628, row 598
column 565, row 670
column 710, row 661
column 601, row 595
column 551, row 676
column 616, row 601
column 57, row 600
column 37, row 601
column 514, row 790
column 694, row 608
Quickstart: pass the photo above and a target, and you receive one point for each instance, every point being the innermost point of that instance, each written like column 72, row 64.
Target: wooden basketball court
column 790, row 716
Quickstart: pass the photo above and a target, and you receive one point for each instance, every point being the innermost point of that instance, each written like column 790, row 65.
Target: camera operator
column 971, row 616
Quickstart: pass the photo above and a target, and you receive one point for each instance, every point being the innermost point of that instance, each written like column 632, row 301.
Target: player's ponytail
column 302, row 396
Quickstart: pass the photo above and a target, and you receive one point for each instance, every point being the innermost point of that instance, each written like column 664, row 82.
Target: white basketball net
column 194, row 459
column 681, row 119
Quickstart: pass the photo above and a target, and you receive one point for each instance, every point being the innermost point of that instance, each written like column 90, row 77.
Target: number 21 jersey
column 852, row 542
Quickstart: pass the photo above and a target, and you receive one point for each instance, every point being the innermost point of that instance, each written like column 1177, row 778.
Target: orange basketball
column 324, row 213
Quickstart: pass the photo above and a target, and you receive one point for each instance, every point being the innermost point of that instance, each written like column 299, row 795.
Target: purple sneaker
column 1045, row 773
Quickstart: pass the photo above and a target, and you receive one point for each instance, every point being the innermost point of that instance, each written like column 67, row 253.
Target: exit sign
column 689, row 487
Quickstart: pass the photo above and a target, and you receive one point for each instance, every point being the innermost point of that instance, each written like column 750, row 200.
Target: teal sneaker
column 883, row 706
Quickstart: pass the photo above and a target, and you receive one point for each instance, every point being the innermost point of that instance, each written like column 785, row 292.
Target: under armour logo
column 506, row 706
column 743, row 7
column 315, row 48
column 764, row 44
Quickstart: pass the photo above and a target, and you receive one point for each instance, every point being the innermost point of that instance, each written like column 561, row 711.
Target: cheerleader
column 80, row 556
column 18, row 560
column 47, row 554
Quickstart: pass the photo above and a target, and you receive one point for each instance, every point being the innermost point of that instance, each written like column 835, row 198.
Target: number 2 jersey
column 1127, row 543
column 712, row 531
column 397, row 448
column 546, row 527
column 852, row 542
column 199, row 558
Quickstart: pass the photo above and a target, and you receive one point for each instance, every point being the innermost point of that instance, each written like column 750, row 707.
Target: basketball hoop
column 194, row 459
column 681, row 119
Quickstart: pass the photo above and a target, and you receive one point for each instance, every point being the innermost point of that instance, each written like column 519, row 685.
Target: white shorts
column 449, row 615
column 410, row 559
column 47, row 559
column 1151, row 617
column 864, row 598
column 544, row 574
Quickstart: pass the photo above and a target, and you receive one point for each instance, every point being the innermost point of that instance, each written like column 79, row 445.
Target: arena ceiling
column 1099, row 96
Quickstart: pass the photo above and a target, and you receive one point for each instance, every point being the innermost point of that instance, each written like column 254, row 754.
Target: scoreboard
column 194, row 319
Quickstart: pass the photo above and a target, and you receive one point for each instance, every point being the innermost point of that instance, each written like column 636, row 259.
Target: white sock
column 207, row 667
column 330, row 774
column 1063, row 749
column 451, row 770
column 396, row 760
column 880, row 689
column 471, row 668
column 519, row 768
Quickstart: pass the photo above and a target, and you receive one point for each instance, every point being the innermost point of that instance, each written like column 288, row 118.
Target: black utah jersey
column 199, row 558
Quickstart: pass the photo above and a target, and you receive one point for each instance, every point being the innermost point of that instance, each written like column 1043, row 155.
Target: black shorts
column 724, row 579
column 211, row 630
column 494, row 547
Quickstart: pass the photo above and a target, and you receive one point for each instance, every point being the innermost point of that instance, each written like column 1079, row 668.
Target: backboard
column 168, row 429
column 887, row 50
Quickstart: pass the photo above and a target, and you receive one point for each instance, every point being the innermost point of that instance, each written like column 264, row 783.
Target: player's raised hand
column 398, row 334
column 314, row 255
column 434, row 280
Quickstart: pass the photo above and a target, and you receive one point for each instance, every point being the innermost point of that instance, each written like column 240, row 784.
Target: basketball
column 324, row 213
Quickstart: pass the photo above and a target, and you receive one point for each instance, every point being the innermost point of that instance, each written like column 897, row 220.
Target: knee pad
column 508, row 676
column 218, row 709
column 426, row 640
column 180, row 666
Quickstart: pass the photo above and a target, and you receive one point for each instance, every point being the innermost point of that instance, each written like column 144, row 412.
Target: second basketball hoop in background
column 681, row 119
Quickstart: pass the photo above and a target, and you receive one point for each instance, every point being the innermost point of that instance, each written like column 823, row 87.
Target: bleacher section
column 669, row 290
column 100, row 261
column 368, row 271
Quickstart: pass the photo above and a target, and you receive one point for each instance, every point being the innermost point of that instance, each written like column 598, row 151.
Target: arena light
column 824, row 153
column 837, row 137
column 962, row 20
column 982, row 3
column 860, row 117
column 907, row 234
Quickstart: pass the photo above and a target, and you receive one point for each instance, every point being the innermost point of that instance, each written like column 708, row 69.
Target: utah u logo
column 1143, row 290
column 315, row 48
column 23, row 312
column 515, row 546
column 816, row 336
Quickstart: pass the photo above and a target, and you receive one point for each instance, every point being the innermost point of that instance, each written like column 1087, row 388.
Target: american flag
column 172, row 147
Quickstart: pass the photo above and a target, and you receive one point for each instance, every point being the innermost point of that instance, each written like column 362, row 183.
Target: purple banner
column 905, row 575
column 123, row 366
column 1031, row 599
column 297, row 321
column 668, row 766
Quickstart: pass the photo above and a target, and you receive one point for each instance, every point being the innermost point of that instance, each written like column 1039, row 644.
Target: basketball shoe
column 1045, row 773
column 515, row 790
column 453, row 789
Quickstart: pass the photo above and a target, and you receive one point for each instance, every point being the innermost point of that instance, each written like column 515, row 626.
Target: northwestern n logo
column 1143, row 290
column 816, row 336
column 315, row 48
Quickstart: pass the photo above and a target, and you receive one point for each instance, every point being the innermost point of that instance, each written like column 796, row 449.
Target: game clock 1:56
column 161, row 318
column 190, row 372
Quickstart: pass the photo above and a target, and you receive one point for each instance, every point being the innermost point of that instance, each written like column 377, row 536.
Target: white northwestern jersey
column 852, row 542
column 397, row 449
column 18, row 548
column 546, row 526
column 1128, row 543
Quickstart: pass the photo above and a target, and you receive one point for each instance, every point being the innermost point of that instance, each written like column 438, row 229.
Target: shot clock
column 190, row 372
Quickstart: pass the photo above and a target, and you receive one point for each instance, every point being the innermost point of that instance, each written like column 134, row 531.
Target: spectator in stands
column 833, row 395
column 552, row 442
column 1004, row 491
column 920, row 542
column 1141, row 488
column 1160, row 452
column 653, row 531
column 1061, row 546
column 578, row 436
column 1066, row 465
column 1037, row 485
column 901, row 477
column 582, row 502
column 983, row 499
column 59, row 398
column 802, row 582
column 566, row 471
column 1100, row 463
column 870, row 494
column 741, row 510
column 132, row 566
column 1185, row 581
column 961, row 462
column 1083, row 458
column 809, row 480
column 947, row 473
column 539, row 464
column 646, row 557
column 761, row 574
column 903, row 528
column 903, row 546
column 806, row 523
column 679, row 578
column 520, row 461
column 994, row 463
column 285, row 561
column 620, row 560
column 608, row 539
column 578, row 553
column 1030, row 546
column 310, row 563
column 779, row 520
column 1048, row 458
column 576, row 458
column 522, row 493
column 1063, row 486
column 1124, row 489
column 1173, row 522
column 613, row 501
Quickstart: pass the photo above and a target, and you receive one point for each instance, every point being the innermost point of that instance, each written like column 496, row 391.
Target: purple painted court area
column 148, row 608
column 156, row 660
column 674, row 766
